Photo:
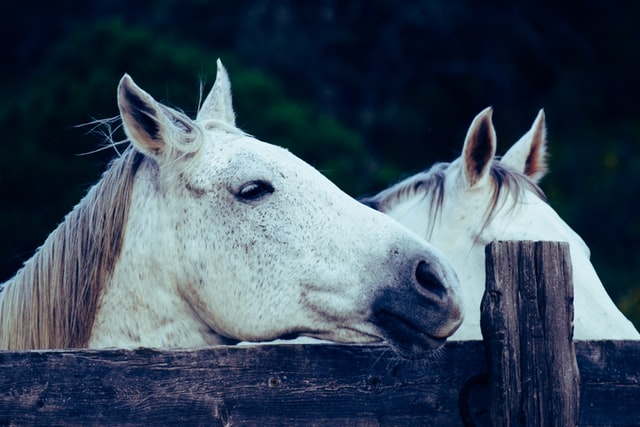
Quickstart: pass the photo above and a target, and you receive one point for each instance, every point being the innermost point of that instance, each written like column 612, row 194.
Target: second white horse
column 461, row 206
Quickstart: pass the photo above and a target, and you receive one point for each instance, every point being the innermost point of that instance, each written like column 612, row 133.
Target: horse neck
column 51, row 301
column 530, row 218
column 467, row 224
column 472, row 218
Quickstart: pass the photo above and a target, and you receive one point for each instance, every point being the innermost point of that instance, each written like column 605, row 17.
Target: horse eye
column 254, row 190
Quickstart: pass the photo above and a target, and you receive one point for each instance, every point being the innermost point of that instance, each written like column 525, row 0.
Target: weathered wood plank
column 527, row 314
column 262, row 385
column 288, row 385
column 609, row 382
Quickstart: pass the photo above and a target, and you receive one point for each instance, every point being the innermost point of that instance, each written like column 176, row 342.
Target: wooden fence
column 525, row 372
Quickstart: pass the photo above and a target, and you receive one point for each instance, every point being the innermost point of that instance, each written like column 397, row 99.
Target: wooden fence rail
column 331, row 385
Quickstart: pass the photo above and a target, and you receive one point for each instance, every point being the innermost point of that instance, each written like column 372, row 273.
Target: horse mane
column 52, row 300
column 432, row 182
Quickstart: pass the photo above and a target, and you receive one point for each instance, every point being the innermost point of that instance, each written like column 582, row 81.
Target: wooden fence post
column 527, row 324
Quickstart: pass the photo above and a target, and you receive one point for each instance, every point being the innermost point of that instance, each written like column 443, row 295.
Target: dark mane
column 423, row 182
column 432, row 182
column 514, row 183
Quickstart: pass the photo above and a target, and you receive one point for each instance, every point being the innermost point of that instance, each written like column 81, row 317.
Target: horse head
column 229, row 238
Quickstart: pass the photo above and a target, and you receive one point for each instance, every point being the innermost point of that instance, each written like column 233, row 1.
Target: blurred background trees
column 366, row 91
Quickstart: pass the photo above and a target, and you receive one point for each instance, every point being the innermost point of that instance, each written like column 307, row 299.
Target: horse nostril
column 428, row 281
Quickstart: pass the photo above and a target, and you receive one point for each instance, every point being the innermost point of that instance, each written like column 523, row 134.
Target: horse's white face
column 462, row 206
column 259, row 245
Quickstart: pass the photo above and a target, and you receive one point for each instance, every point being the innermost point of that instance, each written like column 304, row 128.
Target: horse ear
column 148, row 123
column 479, row 148
column 218, row 104
column 529, row 154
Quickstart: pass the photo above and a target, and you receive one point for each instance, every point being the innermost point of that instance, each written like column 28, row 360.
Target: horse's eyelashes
column 254, row 190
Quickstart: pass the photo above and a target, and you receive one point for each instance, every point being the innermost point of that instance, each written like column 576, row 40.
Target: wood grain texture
column 261, row 385
column 527, row 326
column 289, row 385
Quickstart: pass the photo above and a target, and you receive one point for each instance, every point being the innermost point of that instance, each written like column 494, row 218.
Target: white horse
column 461, row 206
column 200, row 234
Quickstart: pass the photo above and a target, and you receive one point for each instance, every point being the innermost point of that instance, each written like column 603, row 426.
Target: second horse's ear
column 151, row 127
column 479, row 148
column 529, row 154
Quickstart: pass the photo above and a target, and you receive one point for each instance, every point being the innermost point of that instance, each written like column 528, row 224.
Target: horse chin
column 406, row 338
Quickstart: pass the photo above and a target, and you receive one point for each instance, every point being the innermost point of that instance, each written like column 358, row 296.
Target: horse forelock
column 514, row 183
column 210, row 124
column 51, row 302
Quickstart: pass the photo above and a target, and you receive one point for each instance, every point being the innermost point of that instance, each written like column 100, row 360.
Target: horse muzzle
column 418, row 320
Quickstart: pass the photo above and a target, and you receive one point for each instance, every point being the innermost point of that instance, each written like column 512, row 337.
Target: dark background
column 368, row 91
